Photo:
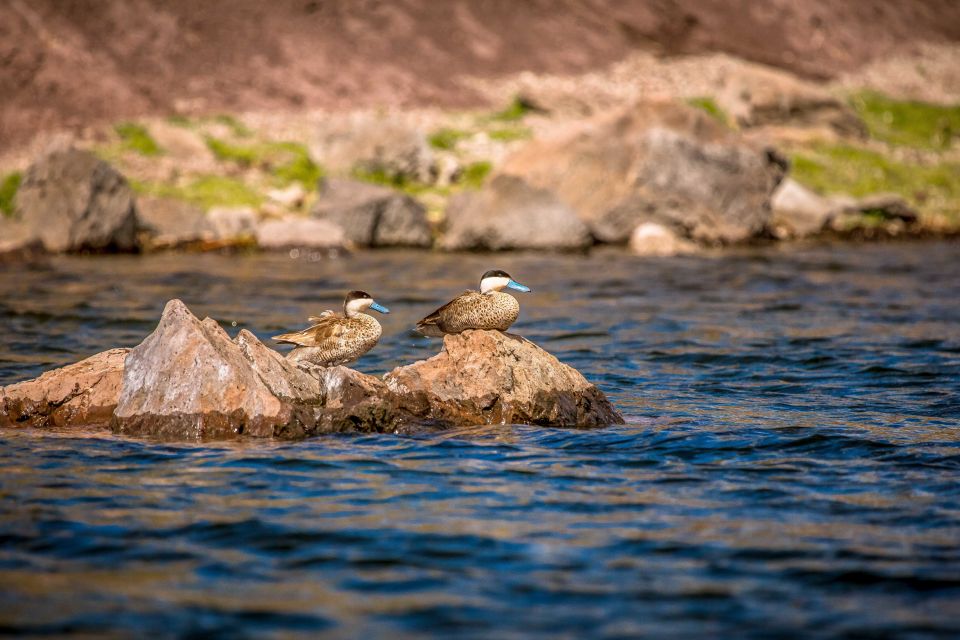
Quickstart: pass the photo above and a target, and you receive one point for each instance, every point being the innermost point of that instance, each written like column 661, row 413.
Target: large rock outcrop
column 483, row 377
column 83, row 393
column 510, row 214
column 72, row 201
column 373, row 216
column 189, row 380
column 657, row 161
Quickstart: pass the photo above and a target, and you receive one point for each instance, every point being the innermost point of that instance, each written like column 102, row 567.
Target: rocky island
column 189, row 380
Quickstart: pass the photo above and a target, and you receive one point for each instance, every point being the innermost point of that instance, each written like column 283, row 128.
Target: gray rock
column 296, row 231
column 84, row 394
column 798, row 212
column 17, row 240
column 488, row 377
column 232, row 223
column 373, row 216
column 510, row 214
column 73, row 201
column 659, row 162
column 169, row 223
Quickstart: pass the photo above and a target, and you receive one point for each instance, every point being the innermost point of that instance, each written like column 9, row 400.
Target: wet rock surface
column 84, row 393
column 483, row 377
column 70, row 200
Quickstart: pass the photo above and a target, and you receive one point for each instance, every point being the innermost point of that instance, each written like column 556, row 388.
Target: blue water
column 790, row 463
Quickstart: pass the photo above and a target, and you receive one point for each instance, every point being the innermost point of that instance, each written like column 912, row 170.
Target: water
column 790, row 463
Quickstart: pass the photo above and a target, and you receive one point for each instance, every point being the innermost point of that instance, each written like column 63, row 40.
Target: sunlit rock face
column 485, row 377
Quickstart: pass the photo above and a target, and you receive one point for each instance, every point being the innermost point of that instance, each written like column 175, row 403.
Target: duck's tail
column 428, row 327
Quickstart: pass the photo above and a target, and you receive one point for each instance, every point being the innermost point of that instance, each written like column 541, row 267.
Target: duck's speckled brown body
column 472, row 310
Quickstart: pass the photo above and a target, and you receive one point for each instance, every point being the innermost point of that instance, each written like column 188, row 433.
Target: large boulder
column 84, row 393
column 73, row 201
column 485, row 377
column 657, row 161
column 371, row 215
column 299, row 232
column 510, row 214
column 370, row 143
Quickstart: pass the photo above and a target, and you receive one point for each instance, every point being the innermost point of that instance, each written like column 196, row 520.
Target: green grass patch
column 178, row 120
column 287, row 162
column 710, row 106
column 510, row 134
column 244, row 155
column 8, row 191
column 136, row 138
column 204, row 191
column 908, row 123
column 860, row 172
column 516, row 110
column 474, row 174
column 446, row 139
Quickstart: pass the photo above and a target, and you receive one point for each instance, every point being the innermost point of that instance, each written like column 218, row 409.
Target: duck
column 334, row 340
column 488, row 308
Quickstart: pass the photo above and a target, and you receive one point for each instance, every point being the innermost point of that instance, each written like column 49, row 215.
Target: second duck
column 488, row 308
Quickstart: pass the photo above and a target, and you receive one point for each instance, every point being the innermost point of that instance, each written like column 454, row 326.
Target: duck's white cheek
column 356, row 306
column 493, row 284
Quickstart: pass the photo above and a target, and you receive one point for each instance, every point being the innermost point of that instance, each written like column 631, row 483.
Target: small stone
column 652, row 239
column 232, row 223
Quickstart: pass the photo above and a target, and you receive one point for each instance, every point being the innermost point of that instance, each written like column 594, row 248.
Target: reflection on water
column 790, row 461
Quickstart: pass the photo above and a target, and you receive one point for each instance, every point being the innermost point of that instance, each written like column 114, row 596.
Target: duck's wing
column 430, row 325
column 323, row 314
column 327, row 330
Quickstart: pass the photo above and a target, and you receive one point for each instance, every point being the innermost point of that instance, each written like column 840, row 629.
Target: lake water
column 790, row 463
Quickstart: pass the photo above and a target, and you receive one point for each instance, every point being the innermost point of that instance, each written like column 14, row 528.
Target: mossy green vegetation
column 287, row 162
column 908, row 123
column 516, row 110
column 446, row 139
column 710, row 106
column 509, row 134
column 475, row 173
column 205, row 191
column 239, row 129
column 135, row 137
column 845, row 168
column 8, row 191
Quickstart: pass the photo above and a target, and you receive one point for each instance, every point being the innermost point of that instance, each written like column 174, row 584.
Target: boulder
column 656, row 161
column 371, row 215
column 758, row 96
column 799, row 212
column 389, row 146
column 299, row 232
column 73, row 201
column 510, row 214
column 232, row 223
column 84, row 393
column 17, row 241
column 485, row 377
column 169, row 223
column 656, row 240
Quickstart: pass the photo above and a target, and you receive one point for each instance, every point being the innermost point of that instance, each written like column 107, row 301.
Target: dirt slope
column 66, row 63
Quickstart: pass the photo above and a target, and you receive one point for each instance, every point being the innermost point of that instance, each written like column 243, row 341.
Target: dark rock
column 485, row 377
column 84, row 393
column 169, row 223
column 659, row 162
column 73, row 201
column 510, row 214
column 373, row 216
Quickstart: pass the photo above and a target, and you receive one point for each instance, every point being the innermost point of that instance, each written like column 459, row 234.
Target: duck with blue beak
column 334, row 340
column 489, row 308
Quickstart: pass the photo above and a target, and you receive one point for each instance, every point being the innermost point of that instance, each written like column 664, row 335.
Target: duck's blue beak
column 379, row 307
column 513, row 284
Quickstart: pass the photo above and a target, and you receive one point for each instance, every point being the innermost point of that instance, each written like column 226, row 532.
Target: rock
column 73, row 201
column 757, row 96
column 652, row 239
column 510, row 214
column 874, row 216
column 373, row 216
column 232, row 223
column 657, row 161
column 17, row 241
column 388, row 146
column 483, row 377
column 188, row 380
column 290, row 197
column 169, row 223
column 798, row 212
column 298, row 232
column 84, row 394
column 888, row 206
